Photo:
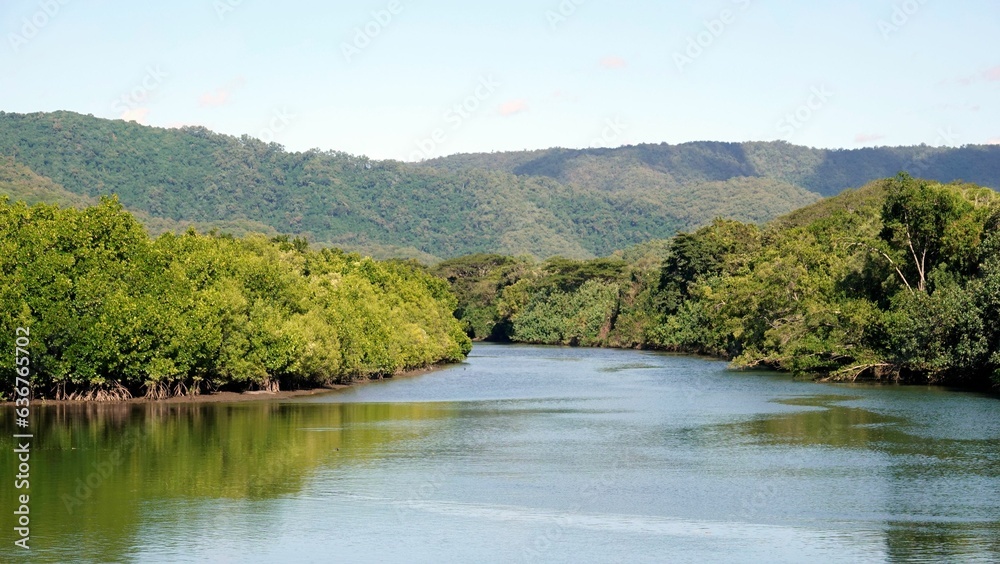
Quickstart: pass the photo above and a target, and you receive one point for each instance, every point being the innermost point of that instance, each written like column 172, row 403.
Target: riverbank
column 679, row 457
column 239, row 397
column 873, row 374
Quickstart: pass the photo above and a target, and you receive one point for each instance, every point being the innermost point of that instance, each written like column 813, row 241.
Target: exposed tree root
column 877, row 371
column 110, row 392
column 180, row 389
column 166, row 390
column 157, row 390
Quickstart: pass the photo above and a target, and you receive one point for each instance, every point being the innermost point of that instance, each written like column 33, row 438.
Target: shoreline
column 917, row 379
column 241, row 397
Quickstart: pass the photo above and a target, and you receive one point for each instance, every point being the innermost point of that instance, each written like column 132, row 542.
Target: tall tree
column 926, row 224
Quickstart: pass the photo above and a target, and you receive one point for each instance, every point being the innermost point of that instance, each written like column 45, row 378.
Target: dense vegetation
column 896, row 280
column 113, row 314
column 692, row 166
column 384, row 208
column 577, row 204
column 899, row 280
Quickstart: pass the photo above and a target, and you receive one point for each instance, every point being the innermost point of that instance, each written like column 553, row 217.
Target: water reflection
column 942, row 542
column 832, row 424
column 615, row 454
column 930, row 515
column 98, row 467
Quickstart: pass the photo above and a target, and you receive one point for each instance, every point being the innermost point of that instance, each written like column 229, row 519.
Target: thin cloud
column 214, row 99
column 513, row 107
column 991, row 74
column 137, row 115
column 564, row 96
column 613, row 63
column 993, row 141
column 862, row 138
column 221, row 96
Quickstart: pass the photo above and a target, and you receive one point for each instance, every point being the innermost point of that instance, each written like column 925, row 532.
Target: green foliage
column 703, row 254
column 737, row 176
column 174, row 178
column 560, row 301
column 20, row 183
column 891, row 281
column 577, row 204
column 568, row 275
column 113, row 313
column 898, row 280
column 579, row 317
column 479, row 282
column 926, row 224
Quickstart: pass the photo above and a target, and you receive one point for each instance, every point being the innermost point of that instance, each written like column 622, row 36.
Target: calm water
column 524, row 454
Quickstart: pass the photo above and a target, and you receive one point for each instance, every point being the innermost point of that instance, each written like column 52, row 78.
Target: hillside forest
column 578, row 204
column 897, row 281
column 217, row 262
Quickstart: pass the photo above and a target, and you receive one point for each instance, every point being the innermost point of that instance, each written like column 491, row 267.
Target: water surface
column 525, row 454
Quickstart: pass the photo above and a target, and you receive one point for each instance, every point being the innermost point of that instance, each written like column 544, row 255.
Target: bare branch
column 891, row 262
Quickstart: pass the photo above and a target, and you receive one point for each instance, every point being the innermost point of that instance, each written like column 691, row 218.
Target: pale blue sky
column 531, row 74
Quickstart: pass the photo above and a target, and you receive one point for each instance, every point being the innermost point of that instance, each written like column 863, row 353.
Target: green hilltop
column 573, row 203
column 668, row 168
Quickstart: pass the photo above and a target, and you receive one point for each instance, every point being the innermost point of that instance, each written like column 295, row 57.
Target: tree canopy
column 113, row 313
column 578, row 204
column 897, row 281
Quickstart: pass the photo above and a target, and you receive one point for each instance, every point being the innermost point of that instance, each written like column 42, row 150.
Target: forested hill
column 895, row 281
column 577, row 204
column 663, row 167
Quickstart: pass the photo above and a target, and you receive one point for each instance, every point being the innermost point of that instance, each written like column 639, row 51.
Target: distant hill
column 577, row 204
column 20, row 183
column 669, row 168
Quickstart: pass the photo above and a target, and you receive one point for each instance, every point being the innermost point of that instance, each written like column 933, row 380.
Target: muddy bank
column 235, row 397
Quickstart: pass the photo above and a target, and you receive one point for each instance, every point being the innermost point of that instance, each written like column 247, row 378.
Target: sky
column 409, row 80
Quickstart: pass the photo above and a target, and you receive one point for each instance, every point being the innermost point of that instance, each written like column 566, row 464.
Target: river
column 523, row 454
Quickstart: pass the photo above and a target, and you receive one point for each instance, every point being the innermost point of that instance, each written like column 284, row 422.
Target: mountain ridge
column 578, row 203
column 807, row 167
